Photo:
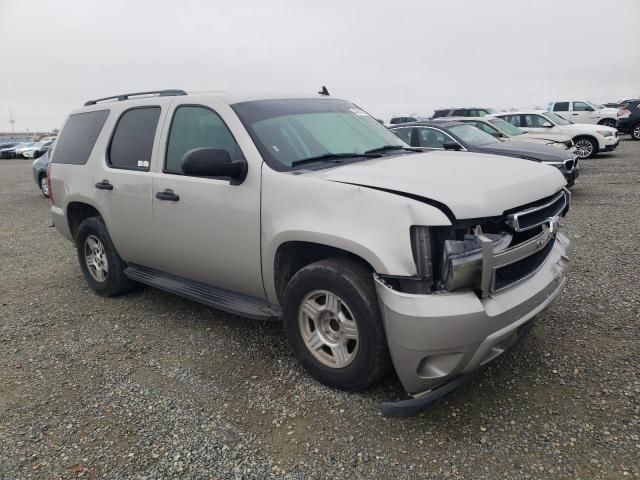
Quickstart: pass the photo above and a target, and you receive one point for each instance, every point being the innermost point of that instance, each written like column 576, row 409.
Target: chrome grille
column 539, row 214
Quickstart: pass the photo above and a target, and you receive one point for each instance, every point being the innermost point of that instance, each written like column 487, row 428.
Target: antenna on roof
column 324, row 91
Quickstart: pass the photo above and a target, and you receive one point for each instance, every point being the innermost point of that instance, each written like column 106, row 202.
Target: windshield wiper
column 386, row 148
column 333, row 158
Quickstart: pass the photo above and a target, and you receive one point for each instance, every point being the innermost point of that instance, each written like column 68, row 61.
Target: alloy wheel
column 44, row 186
column 584, row 148
column 636, row 132
column 95, row 258
column 328, row 328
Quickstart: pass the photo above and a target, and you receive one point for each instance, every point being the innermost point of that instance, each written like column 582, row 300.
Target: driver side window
column 197, row 127
column 581, row 107
column 429, row 138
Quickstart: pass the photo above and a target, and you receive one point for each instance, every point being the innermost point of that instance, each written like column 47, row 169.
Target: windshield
column 471, row 135
column 505, row 127
column 558, row 120
column 287, row 132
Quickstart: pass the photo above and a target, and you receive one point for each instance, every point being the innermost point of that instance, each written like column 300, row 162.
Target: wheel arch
column 77, row 212
column 293, row 255
column 577, row 138
column 607, row 119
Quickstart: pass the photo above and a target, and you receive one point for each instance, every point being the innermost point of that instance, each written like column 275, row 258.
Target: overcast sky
column 390, row 57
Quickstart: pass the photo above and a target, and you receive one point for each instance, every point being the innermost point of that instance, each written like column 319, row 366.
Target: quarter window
column 78, row 137
column 132, row 143
column 197, row 127
column 561, row 107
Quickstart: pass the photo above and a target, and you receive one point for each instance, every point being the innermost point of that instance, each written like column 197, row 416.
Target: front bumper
column 612, row 147
column 434, row 338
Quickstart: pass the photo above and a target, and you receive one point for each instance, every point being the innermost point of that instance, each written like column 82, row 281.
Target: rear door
column 123, row 185
column 210, row 231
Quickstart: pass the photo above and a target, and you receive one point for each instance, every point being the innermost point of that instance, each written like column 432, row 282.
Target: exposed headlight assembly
column 462, row 260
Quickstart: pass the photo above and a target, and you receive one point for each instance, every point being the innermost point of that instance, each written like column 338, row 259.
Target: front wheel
column 333, row 324
column 586, row 147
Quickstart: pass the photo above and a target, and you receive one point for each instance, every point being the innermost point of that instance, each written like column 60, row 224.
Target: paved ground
column 152, row 386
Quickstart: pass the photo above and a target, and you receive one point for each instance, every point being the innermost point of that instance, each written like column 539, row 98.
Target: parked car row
column 24, row 149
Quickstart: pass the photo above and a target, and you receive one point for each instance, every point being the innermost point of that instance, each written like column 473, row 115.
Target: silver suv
column 374, row 255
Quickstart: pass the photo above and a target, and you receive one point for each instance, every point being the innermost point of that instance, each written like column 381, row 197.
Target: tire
column 586, row 147
column 608, row 122
column 360, row 357
column 44, row 185
column 634, row 131
column 107, row 282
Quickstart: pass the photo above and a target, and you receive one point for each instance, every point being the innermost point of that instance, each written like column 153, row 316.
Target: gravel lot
column 150, row 386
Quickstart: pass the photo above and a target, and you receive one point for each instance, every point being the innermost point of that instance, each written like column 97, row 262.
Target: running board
column 226, row 300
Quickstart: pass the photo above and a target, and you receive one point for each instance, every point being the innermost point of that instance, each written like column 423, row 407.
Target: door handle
column 169, row 195
column 104, row 185
column 575, row 114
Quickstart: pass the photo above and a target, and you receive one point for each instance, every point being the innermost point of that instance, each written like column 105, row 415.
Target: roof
column 437, row 122
column 224, row 96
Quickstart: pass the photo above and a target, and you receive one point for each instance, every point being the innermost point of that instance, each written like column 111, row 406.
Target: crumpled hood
column 471, row 185
column 529, row 150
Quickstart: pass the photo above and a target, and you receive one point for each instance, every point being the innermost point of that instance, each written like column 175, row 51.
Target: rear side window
column 513, row 120
column 463, row 113
column 132, row 142
column 561, row 107
column 78, row 137
column 440, row 113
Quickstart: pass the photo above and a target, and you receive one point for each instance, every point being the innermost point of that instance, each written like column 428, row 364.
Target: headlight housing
column 604, row 133
column 462, row 260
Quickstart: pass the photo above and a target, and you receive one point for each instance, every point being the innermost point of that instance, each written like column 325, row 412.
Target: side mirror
column 213, row 162
column 451, row 145
column 547, row 125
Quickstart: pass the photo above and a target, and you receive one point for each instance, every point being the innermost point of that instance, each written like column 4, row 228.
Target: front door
column 207, row 229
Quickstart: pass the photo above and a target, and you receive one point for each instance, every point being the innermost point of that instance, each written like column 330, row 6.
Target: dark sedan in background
column 629, row 119
column 40, row 166
column 452, row 135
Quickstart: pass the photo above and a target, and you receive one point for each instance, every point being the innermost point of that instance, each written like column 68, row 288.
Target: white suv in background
column 582, row 111
column 588, row 139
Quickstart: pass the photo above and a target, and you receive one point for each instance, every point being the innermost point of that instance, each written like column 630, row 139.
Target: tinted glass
column 472, row 135
column 512, row 119
column 404, row 134
column 505, row 127
column 78, row 137
column 581, row 107
column 561, row 107
column 556, row 119
column 534, row 121
column 440, row 113
column 198, row 127
column 485, row 127
column 431, row 138
column 132, row 143
column 462, row 113
column 288, row 131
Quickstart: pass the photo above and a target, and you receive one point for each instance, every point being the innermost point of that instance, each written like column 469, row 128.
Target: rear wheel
column 608, row 122
column 635, row 131
column 334, row 326
column 586, row 147
column 102, row 267
column 44, row 185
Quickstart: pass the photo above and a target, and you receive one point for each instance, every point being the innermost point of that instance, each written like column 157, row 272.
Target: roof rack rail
column 127, row 96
